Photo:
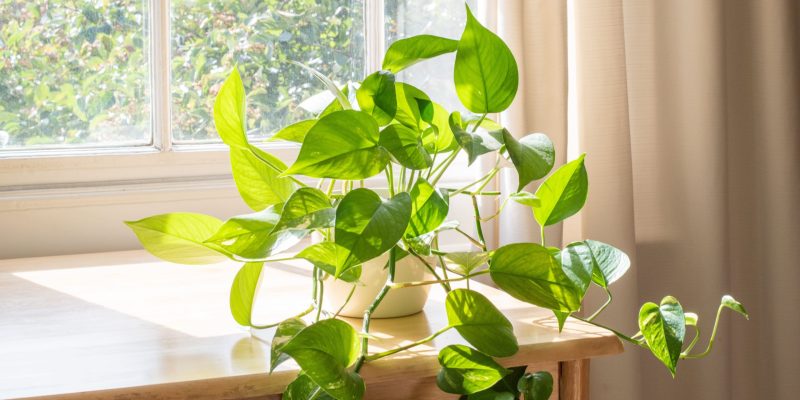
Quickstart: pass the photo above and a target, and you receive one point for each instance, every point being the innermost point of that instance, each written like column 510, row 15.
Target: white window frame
column 44, row 192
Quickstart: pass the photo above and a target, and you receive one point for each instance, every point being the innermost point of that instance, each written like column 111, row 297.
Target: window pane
column 73, row 73
column 444, row 18
column 211, row 36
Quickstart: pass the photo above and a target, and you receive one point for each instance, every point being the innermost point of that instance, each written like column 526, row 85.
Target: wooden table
column 124, row 325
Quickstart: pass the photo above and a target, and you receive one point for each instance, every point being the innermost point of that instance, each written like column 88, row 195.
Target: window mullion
column 160, row 72
column 374, row 34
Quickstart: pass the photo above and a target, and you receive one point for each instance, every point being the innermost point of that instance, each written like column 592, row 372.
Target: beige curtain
column 689, row 112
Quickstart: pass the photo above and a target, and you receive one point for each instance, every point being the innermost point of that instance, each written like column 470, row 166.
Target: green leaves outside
column 367, row 226
column 480, row 323
column 341, row 145
column 179, row 237
column 324, row 352
column 466, row 370
column 664, row 328
column 563, row 193
column 486, row 75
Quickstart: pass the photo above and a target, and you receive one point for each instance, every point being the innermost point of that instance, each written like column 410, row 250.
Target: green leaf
column 340, row 96
column 243, row 292
column 664, row 329
column 295, row 132
column 341, row 145
column 377, row 96
column 438, row 137
column 536, row 386
column 259, row 184
column 368, row 226
column 610, row 263
column 406, row 52
column 285, row 331
column 307, row 208
column 331, row 258
column 578, row 265
column 324, row 351
column 563, row 193
column 526, row 199
column 486, row 75
column 229, row 111
column 250, row 237
column 729, row 302
column 505, row 389
column 480, row 323
column 429, row 208
column 303, row 388
column 561, row 317
column 466, row 370
column 474, row 143
column 463, row 263
column 533, row 156
column 178, row 237
column 405, row 145
column 412, row 105
column 531, row 273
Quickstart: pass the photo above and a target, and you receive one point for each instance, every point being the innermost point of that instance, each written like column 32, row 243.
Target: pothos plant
column 388, row 129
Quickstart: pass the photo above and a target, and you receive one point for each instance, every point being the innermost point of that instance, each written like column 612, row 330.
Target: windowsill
column 112, row 325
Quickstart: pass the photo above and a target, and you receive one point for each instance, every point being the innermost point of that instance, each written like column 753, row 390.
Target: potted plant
column 383, row 241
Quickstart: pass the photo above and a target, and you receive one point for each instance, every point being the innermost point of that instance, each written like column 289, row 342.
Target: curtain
column 688, row 112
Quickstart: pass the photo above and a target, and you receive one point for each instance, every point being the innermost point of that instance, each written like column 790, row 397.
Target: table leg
column 574, row 382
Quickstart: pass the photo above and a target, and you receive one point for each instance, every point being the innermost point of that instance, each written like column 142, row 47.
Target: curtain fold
column 688, row 111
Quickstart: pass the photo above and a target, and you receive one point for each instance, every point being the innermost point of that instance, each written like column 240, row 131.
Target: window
column 105, row 106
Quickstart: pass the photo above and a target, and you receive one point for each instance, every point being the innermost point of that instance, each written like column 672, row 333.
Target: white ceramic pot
column 397, row 303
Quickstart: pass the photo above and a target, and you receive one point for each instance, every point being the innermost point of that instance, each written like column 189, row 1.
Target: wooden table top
column 115, row 324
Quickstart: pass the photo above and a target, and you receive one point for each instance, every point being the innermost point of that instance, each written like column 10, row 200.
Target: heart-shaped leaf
column 250, row 237
column 285, row 331
column 243, row 291
column 480, row 323
column 324, row 352
column 405, row 145
column 486, row 75
column 229, row 111
column 295, row 132
column 331, row 258
column 531, row 273
column 610, row 263
column 463, row 263
column 178, row 237
column 664, row 328
column 438, row 137
column 729, row 302
column 368, row 226
column 466, row 370
column 406, row 52
column 377, row 96
column 536, row 386
column 429, row 208
column 307, row 208
column 474, row 143
column 257, row 177
column 341, row 145
column 577, row 263
column 413, row 106
column 563, row 193
column 533, row 156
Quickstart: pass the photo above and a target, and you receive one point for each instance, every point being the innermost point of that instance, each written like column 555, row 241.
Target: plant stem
column 390, row 179
column 411, row 178
column 469, row 237
column 400, row 285
column 375, row 303
column 302, row 314
column 408, row 346
column 710, row 340
column 269, row 164
column 603, row 307
column 321, row 295
column 347, row 300
column 478, row 226
column 693, row 342
column 443, row 167
column 619, row 334
column 432, row 269
column 331, row 186
column 541, row 229
column 499, row 210
column 480, row 121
